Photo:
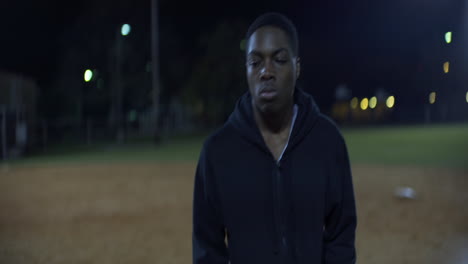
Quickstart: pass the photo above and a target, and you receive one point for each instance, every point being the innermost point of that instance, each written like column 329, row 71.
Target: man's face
column 272, row 69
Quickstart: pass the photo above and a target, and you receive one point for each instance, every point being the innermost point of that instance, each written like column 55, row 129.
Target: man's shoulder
column 220, row 138
column 328, row 128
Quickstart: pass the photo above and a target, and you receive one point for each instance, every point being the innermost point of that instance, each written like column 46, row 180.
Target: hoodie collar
column 242, row 119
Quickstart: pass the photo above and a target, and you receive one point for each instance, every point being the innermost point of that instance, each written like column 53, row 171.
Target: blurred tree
column 218, row 76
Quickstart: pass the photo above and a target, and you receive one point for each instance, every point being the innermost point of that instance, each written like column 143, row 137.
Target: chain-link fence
column 19, row 137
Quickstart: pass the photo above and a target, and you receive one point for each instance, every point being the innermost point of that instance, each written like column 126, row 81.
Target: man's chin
column 268, row 108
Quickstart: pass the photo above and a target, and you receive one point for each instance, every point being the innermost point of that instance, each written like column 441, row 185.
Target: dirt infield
column 141, row 213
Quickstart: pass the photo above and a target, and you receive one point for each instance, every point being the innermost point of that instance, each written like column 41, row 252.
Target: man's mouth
column 268, row 94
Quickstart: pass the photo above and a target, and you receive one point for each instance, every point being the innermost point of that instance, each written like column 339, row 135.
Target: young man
column 273, row 185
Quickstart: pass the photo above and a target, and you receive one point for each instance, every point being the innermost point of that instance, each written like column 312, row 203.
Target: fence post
column 44, row 134
column 4, row 133
column 88, row 131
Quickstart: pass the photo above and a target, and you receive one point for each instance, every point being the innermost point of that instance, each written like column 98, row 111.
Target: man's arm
column 340, row 222
column 208, row 229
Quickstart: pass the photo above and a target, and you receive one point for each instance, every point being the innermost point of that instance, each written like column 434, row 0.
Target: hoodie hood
column 242, row 119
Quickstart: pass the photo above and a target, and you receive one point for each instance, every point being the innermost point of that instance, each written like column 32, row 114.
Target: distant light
column 448, row 37
column 373, row 102
column 88, row 75
column 243, row 43
column 466, row 97
column 132, row 116
column 432, row 97
column 125, row 29
column 446, row 67
column 364, row 103
column 390, row 101
column 354, row 103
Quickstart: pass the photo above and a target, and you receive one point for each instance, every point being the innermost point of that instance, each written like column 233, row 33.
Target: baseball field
column 107, row 203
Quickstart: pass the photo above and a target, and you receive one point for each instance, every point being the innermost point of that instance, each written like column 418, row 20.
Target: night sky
column 365, row 43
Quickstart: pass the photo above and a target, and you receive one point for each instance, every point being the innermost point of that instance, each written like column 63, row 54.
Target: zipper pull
column 278, row 164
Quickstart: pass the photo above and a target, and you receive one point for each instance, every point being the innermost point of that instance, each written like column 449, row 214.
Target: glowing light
column 132, row 116
column 373, row 102
column 125, row 30
column 88, row 75
column 354, row 103
column 466, row 97
column 448, row 37
column 390, row 101
column 446, row 67
column 243, row 43
column 432, row 97
column 364, row 103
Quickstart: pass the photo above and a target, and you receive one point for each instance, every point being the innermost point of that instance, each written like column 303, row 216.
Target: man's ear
column 298, row 67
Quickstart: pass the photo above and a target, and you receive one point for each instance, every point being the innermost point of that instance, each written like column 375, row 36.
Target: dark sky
column 365, row 42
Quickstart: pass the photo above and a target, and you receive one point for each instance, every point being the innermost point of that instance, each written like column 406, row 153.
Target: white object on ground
column 405, row 192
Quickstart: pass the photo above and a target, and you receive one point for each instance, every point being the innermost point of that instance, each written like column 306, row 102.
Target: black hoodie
column 299, row 209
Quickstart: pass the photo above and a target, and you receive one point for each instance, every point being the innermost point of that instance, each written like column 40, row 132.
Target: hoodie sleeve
column 208, row 235
column 340, row 221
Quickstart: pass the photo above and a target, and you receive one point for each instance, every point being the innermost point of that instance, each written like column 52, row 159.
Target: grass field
column 428, row 146
column 432, row 146
column 132, row 203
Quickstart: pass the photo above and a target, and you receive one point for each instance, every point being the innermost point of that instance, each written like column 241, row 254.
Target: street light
column 390, row 101
column 432, row 97
column 125, row 30
column 88, row 75
column 364, row 103
column 117, row 79
column 243, row 43
column 446, row 67
column 354, row 103
column 373, row 102
column 448, row 37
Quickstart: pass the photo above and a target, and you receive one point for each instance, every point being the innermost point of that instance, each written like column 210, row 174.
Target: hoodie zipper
column 279, row 236
column 279, row 199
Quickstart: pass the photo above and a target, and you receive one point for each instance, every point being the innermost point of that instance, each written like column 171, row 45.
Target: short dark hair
column 276, row 20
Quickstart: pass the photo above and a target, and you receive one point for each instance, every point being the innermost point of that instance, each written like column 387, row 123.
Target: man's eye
column 281, row 61
column 254, row 63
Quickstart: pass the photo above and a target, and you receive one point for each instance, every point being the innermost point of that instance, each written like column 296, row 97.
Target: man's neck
column 274, row 123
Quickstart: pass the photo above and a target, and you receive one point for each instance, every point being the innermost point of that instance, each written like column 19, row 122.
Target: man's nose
column 267, row 72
